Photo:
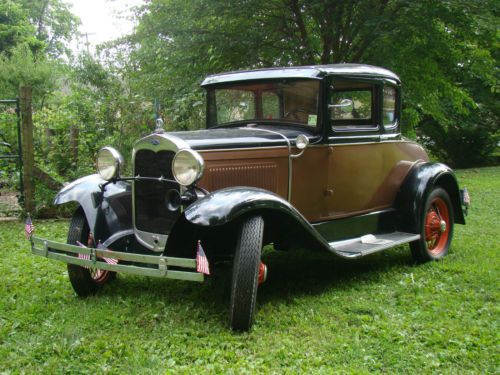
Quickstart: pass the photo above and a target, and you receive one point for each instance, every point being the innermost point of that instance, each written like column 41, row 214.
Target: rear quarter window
column 351, row 106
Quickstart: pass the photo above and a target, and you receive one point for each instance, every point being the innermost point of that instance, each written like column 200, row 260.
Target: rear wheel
column 246, row 274
column 85, row 281
column 436, row 228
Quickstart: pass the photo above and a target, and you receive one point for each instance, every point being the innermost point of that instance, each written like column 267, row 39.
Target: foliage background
column 381, row 314
column 445, row 52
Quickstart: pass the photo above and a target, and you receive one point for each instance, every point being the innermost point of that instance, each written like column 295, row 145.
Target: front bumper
column 160, row 264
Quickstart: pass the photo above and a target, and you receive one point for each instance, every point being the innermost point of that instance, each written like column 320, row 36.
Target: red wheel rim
column 262, row 273
column 98, row 275
column 437, row 226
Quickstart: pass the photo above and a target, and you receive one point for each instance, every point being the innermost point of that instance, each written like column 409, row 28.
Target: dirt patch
column 9, row 206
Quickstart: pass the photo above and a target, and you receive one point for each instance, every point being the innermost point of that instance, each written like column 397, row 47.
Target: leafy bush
column 468, row 141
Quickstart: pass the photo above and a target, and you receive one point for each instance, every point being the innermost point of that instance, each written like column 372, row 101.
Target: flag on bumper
column 201, row 260
column 107, row 260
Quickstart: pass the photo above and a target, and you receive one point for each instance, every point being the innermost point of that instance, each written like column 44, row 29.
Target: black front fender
column 225, row 207
column 415, row 189
column 107, row 212
column 227, row 204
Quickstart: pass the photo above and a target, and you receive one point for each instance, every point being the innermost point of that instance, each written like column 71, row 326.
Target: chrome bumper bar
column 69, row 254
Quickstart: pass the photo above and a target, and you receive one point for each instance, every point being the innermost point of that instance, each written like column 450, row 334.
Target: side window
column 351, row 106
column 389, row 106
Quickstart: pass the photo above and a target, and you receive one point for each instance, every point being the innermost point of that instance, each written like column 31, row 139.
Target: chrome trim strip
column 240, row 148
column 395, row 139
column 386, row 137
column 351, row 129
column 349, row 137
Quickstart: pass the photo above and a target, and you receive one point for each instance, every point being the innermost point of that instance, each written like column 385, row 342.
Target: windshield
column 284, row 101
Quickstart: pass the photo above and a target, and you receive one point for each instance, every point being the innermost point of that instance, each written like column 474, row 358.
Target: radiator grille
column 150, row 197
column 154, row 164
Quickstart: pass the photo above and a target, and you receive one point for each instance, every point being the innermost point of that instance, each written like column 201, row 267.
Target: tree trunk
column 74, row 133
column 27, row 145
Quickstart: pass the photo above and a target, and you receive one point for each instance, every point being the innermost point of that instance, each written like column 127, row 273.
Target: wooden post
column 27, row 145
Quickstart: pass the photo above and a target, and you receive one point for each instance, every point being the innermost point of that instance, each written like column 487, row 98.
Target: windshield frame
column 211, row 108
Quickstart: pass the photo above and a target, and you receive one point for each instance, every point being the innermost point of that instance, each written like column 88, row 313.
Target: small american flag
column 29, row 228
column 201, row 260
column 82, row 256
column 107, row 260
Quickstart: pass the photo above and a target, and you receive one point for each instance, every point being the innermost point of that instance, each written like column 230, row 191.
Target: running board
column 369, row 244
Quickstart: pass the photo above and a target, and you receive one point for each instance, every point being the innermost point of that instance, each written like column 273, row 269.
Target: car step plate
column 369, row 244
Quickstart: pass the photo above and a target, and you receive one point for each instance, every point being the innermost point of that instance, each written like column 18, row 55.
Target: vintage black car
column 307, row 157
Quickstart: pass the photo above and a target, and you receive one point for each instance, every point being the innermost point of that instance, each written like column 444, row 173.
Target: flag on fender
column 201, row 260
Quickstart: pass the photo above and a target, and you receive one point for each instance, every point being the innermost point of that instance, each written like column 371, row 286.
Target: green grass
column 316, row 313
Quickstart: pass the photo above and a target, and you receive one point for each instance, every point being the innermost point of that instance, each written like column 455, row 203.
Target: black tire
column 245, row 274
column 434, row 245
column 82, row 280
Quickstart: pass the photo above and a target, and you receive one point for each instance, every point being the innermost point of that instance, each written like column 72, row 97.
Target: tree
column 54, row 24
column 15, row 28
column 443, row 51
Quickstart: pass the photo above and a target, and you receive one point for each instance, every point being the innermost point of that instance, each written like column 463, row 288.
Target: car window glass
column 270, row 102
column 351, row 105
column 235, row 105
column 270, row 105
column 389, row 109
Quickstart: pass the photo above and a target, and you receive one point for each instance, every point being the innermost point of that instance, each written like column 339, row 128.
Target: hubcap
column 436, row 226
column 442, row 226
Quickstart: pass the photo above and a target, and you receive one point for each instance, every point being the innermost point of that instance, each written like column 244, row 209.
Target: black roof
column 313, row 71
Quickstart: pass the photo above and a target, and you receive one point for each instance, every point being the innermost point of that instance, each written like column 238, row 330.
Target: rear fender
column 107, row 212
column 416, row 187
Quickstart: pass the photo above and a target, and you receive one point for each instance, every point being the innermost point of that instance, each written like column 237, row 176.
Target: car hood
column 263, row 136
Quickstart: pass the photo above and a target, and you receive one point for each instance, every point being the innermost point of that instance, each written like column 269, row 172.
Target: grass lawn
column 316, row 313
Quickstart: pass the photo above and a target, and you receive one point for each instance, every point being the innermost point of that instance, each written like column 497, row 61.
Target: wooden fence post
column 27, row 145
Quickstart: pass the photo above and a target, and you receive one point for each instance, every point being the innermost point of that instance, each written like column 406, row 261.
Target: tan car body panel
column 266, row 168
column 328, row 181
column 355, row 179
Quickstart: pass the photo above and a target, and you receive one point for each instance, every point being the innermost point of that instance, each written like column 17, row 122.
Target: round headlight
column 187, row 167
column 109, row 163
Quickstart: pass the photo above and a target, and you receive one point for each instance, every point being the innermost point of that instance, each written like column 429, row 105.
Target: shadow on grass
column 302, row 273
column 291, row 275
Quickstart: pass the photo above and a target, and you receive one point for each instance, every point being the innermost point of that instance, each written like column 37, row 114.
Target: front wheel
column 245, row 274
column 85, row 281
column 436, row 227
